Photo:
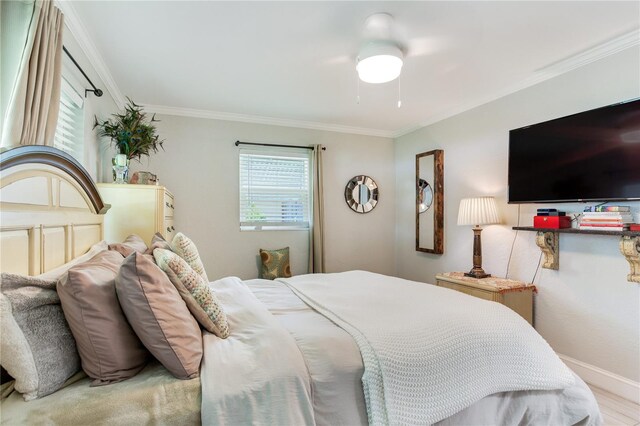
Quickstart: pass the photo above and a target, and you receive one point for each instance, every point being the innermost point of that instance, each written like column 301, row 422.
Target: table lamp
column 477, row 211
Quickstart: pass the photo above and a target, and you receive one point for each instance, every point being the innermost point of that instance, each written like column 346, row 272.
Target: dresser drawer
column 476, row 292
column 168, row 230
column 168, row 204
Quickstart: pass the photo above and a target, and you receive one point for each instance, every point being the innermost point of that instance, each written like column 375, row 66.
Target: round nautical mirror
column 424, row 195
column 361, row 194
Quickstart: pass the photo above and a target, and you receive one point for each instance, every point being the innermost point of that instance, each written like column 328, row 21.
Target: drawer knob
column 167, row 203
column 171, row 205
column 168, row 229
column 173, row 229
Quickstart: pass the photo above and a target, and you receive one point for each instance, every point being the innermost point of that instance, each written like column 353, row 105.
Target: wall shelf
column 549, row 242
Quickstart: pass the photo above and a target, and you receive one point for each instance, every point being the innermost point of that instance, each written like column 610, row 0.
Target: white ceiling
column 294, row 62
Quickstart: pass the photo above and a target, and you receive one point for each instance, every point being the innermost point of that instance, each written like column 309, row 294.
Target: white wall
column 586, row 310
column 200, row 167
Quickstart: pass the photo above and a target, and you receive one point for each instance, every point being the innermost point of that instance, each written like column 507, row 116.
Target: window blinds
column 274, row 189
column 69, row 135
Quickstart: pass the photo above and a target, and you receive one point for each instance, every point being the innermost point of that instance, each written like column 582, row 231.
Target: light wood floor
column 616, row 410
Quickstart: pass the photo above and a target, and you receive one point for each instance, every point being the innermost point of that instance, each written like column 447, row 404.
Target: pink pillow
column 129, row 245
column 109, row 349
column 159, row 316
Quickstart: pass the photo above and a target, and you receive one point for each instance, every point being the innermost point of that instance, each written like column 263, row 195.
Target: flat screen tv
column 589, row 156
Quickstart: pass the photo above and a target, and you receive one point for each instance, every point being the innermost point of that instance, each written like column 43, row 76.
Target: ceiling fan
column 381, row 54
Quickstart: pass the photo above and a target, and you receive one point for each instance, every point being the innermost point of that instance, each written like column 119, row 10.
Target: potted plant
column 134, row 136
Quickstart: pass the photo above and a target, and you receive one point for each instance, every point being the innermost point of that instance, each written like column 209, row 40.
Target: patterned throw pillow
column 195, row 291
column 275, row 264
column 186, row 249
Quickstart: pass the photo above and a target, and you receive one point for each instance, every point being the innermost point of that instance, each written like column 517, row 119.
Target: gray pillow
column 37, row 346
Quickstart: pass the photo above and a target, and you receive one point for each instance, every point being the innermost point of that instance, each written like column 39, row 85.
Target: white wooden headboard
column 50, row 210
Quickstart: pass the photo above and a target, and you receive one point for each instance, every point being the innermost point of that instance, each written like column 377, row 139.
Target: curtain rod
column 238, row 143
column 95, row 90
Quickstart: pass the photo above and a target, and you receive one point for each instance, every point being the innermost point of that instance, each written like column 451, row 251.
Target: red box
column 552, row 222
column 634, row 227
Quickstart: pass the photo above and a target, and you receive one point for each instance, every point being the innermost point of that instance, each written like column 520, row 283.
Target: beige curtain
column 32, row 110
column 316, row 246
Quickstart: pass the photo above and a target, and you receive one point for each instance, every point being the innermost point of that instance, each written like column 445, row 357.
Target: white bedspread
column 332, row 356
column 257, row 375
column 430, row 352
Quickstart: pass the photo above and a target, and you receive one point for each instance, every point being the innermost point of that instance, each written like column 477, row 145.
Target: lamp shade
column 478, row 211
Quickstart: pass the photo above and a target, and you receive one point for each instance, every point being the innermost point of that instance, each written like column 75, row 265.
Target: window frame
column 304, row 225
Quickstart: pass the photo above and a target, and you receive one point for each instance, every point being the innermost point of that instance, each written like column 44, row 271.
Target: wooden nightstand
column 516, row 295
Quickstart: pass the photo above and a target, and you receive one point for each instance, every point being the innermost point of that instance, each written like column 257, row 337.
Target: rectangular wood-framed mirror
column 429, row 186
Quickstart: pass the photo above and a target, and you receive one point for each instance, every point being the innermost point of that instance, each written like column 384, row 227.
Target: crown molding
column 258, row 119
column 79, row 32
column 610, row 47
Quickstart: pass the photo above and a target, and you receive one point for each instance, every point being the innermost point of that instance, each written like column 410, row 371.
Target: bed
column 52, row 214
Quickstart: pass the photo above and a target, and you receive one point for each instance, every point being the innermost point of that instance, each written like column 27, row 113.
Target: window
column 274, row 189
column 69, row 135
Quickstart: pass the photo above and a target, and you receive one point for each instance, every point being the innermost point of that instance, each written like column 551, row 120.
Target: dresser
column 516, row 295
column 137, row 209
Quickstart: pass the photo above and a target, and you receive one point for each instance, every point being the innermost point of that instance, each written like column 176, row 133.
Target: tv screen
column 590, row 156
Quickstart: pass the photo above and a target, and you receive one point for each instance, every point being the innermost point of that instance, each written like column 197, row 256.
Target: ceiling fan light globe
column 379, row 68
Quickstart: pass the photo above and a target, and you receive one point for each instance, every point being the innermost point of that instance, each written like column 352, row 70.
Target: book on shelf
column 620, row 221
column 601, row 209
column 607, row 215
column 603, row 228
column 603, row 225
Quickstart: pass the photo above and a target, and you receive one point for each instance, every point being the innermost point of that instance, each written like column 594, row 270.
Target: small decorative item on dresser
column 144, row 178
column 120, row 168
column 516, row 295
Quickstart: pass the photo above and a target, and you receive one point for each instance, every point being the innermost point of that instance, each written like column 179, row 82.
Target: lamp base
column 477, row 273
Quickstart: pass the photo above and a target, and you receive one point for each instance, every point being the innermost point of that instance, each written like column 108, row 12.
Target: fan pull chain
column 399, row 93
